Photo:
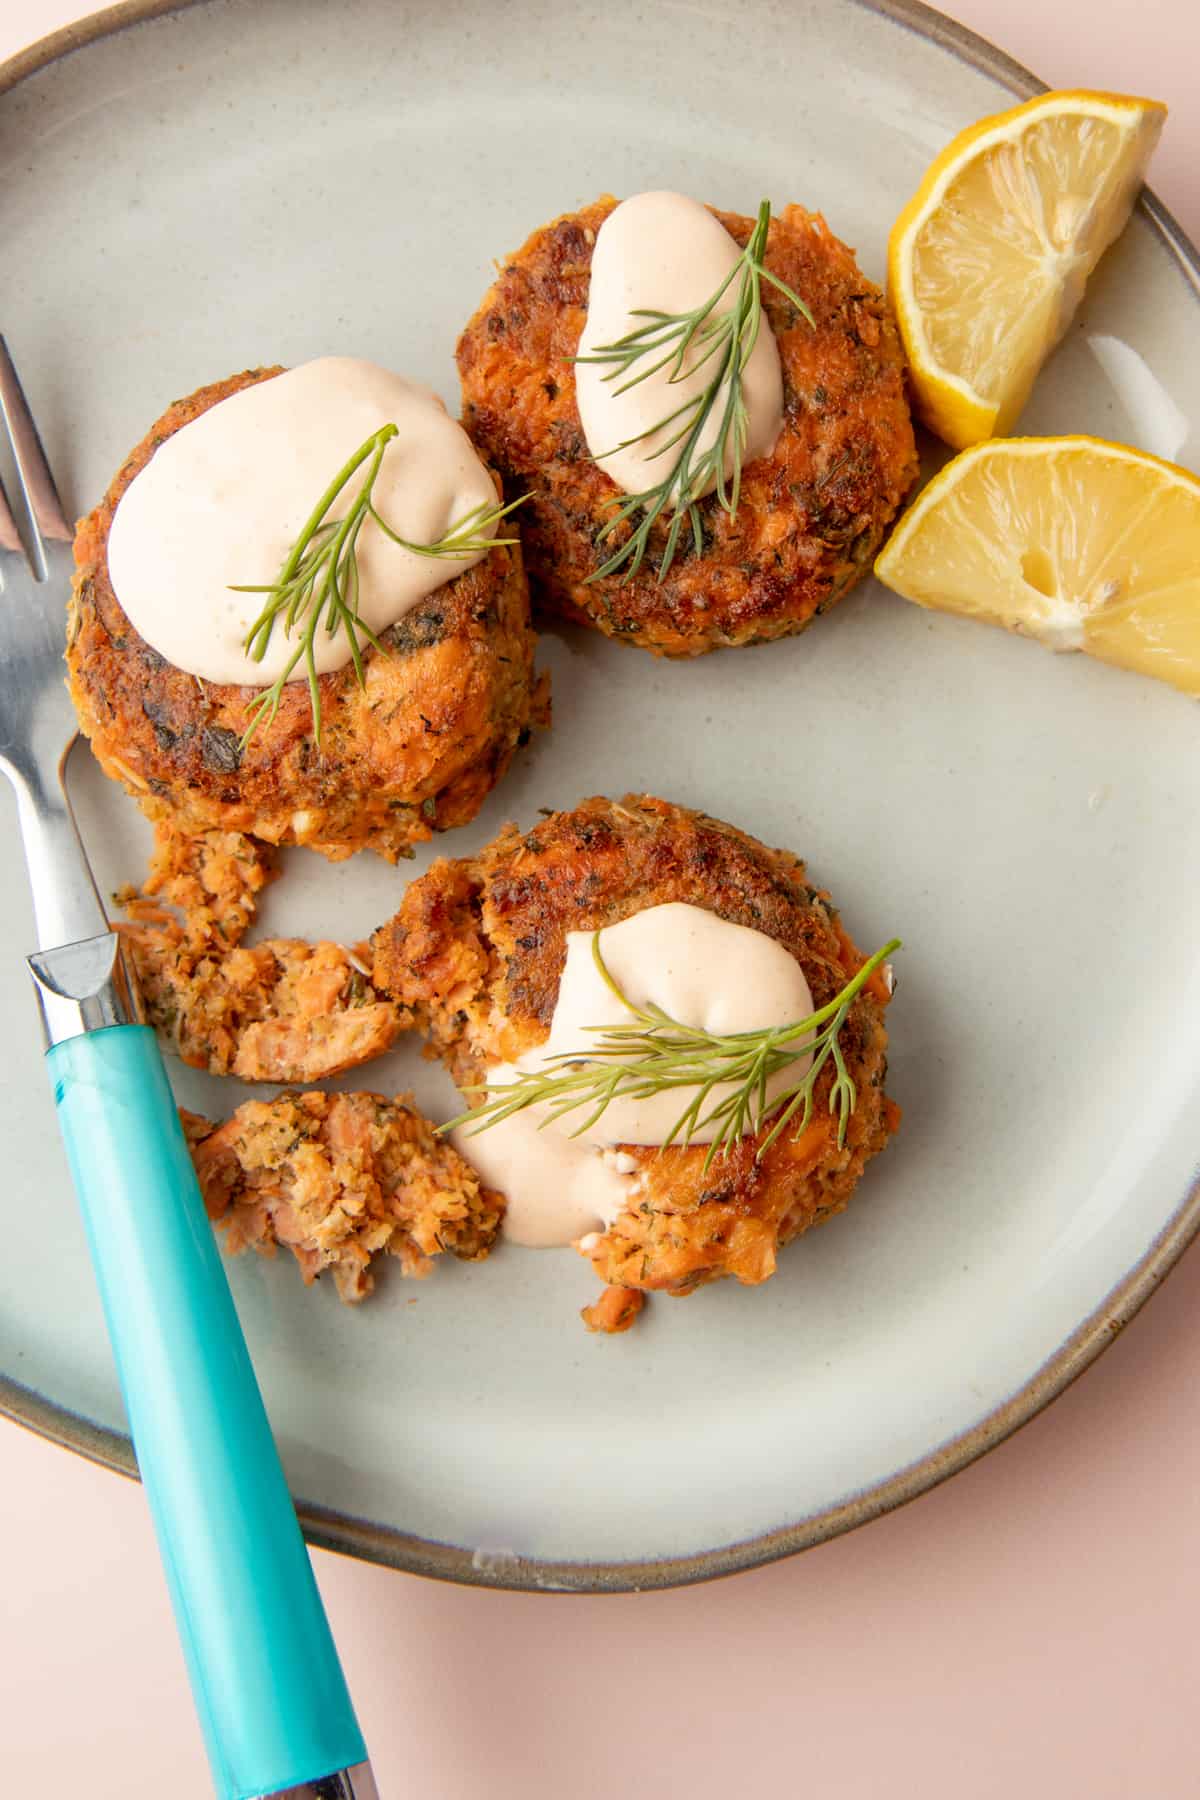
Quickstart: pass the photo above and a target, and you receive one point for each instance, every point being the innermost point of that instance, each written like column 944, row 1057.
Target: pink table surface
column 1028, row 1627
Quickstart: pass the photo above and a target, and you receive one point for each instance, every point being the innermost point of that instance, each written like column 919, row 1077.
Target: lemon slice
column 988, row 261
column 1082, row 544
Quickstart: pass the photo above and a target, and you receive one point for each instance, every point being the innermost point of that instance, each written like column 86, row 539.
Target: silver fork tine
column 9, row 536
column 33, row 471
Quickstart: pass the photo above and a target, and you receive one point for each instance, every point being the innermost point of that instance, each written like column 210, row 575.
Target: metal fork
column 37, row 723
column 268, row 1686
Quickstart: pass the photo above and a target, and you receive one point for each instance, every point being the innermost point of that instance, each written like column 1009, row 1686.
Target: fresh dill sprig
column 319, row 580
column 655, row 1053
column 724, row 339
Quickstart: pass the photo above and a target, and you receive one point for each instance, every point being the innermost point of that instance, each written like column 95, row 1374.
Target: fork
column 273, row 1703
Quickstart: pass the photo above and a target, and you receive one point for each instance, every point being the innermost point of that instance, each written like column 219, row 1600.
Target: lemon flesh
column 988, row 262
column 1082, row 544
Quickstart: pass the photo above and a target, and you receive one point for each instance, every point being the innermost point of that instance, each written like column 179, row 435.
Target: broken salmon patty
column 476, row 952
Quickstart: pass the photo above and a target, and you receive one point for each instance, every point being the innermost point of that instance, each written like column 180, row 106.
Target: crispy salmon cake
column 811, row 515
column 415, row 750
column 477, row 951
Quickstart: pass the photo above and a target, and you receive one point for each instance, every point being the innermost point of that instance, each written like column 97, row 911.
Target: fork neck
column 85, row 987
column 66, row 903
column 80, row 970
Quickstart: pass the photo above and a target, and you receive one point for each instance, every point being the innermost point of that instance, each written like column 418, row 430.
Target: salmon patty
column 477, row 950
column 811, row 515
column 415, row 750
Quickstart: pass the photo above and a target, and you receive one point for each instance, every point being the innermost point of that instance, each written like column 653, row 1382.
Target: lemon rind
column 931, row 378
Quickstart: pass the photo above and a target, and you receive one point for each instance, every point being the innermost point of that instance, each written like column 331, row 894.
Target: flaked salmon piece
column 306, row 1049
column 339, row 1179
column 280, row 1010
column 207, row 884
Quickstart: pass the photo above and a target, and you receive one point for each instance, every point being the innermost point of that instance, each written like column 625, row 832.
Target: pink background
column 1028, row 1626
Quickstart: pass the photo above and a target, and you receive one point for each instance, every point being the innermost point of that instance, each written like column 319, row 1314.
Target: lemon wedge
column 1082, row 544
column 988, row 261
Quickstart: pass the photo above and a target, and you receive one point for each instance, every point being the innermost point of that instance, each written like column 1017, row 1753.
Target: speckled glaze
column 1025, row 823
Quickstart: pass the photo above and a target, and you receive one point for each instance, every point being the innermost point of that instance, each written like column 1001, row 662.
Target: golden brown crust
column 811, row 515
column 340, row 1179
column 477, row 949
column 415, row 751
column 278, row 1010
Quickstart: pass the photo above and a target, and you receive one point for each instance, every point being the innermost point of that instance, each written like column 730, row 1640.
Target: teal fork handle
column 268, row 1686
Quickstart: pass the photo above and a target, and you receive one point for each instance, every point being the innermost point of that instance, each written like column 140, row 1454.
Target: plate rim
column 392, row 1548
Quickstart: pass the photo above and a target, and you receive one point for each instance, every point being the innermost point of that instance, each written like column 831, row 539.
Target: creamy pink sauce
column 664, row 252
column 703, row 971
column 223, row 501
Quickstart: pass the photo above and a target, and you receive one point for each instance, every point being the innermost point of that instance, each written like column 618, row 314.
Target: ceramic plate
column 241, row 183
